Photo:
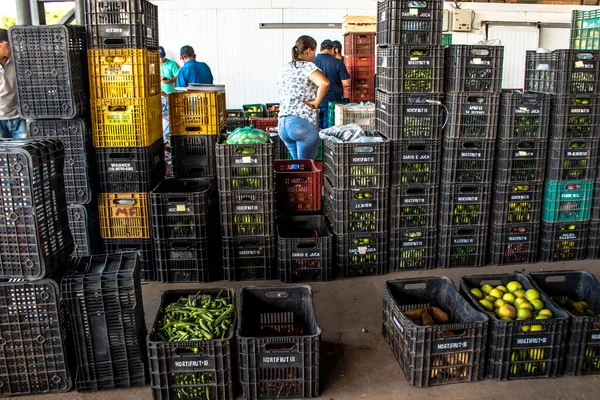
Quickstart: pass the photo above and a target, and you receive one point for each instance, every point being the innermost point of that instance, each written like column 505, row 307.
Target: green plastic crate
column 446, row 39
column 585, row 30
column 254, row 110
column 568, row 201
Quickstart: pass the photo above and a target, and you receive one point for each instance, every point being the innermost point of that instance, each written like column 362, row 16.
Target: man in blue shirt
column 339, row 78
column 192, row 70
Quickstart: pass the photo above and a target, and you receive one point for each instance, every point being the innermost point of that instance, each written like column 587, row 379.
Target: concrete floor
column 360, row 365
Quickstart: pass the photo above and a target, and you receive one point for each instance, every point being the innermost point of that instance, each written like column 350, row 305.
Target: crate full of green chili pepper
column 191, row 345
column 472, row 115
column 409, row 115
column 572, row 159
column 468, row 160
column 575, row 116
column 524, row 115
column 521, row 160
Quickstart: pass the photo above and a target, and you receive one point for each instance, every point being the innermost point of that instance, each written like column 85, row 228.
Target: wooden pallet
column 359, row 24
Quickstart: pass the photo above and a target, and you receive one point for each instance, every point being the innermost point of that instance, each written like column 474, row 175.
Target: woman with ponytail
column 302, row 87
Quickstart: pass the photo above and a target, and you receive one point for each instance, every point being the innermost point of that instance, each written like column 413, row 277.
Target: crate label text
column 470, row 154
column 271, row 360
column 207, row 363
column 594, row 337
column 362, row 160
column 453, row 346
column 245, row 160
column 467, row 199
column 306, row 254
column 463, row 241
column 526, row 110
column 521, row 238
column 416, row 157
column 579, row 110
column 414, row 243
column 528, row 341
column 121, row 167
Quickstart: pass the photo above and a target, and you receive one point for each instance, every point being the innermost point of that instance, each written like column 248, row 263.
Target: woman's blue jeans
column 300, row 136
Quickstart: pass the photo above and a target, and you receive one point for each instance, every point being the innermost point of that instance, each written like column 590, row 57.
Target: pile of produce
column 577, row 308
column 425, row 316
column 247, row 135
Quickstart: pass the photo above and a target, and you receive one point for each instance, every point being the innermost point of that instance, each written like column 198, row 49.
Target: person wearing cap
column 192, row 70
column 339, row 78
column 11, row 125
column 337, row 50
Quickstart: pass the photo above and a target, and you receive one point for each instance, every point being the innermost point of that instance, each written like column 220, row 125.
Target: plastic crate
column 472, row 115
column 566, row 201
column 272, row 110
column 410, row 69
column 582, row 347
column 416, row 162
column 414, row 206
column 412, row 249
column 103, row 299
column 127, row 122
column 193, row 156
column 524, row 115
column 130, row 169
column 359, row 44
column 563, row 241
column 50, row 70
column 124, row 215
column 464, row 204
column 305, row 249
column 247, row 213
column 517, row 203
column 197, row 112
column 409, row 116
column 187, row 260
column 235, row 123
column 409, row 22
column 76, row 136
column 249, row 258
column 474, row 68
column 235, row 113
column 585, row 32
column 575, row 117
column 83, row 221
column 121, row 23
column 468, row 160
column 437, row 354
column 360, row 114
column 514, row 243
column 512, row 353
column 143, row 247
column 360, row 94
column 264, row 124
column 245, row 167
column 593, row 250
column 357, row 165
column 562, row 71
column 198, row 369
column 520, row 160
column 570, row 159
column 362, row 254
column 279, row 342
column 298, row 186
column 462, row 246
column 331, row 113
column 254, row 110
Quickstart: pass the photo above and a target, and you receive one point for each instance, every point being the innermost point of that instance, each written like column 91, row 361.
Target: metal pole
column 38, row 12
column 79, row 12
column 23, row 12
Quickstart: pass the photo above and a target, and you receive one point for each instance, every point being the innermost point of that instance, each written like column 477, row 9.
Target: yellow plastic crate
column 124, row 73
column 124, row 215
column 197, row 112
column 126, row 122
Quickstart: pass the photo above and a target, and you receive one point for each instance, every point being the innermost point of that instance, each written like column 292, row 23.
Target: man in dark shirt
column 192, row 70
column 335, row 70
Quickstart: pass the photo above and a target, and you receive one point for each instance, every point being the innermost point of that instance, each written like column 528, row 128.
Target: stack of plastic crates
column 521, row 152
column 572, row 79
column 35, row 241
column 102, row 298
column 247, row 210
column 359, row 50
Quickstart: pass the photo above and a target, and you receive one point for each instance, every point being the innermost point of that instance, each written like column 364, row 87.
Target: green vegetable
column 248, row 135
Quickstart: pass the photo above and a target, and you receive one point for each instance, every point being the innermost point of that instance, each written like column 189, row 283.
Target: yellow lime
column 507, row 311
column 537, row 304
column 477, row 293
column 523, row 313
column 487, row 305
column 509, row 298
column 519, row 293
column 499, row 303
column 526, row 306
column 514, row 285
column 486, row 289
column 547, row 312
column 503, row 289
column 496, row 293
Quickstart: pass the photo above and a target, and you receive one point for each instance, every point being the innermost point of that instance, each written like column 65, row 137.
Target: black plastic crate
column 517, row 203
column 193, row 156
column 413, row 248
column 83, row 221
column 249, row 258
column 234, row 122
column 356, row 211
column 512, row 353
column 562, row 71
column 357, row 165
column 76, row 136
column 103, row 298
column 121, row 24
column 464, row 204
column 409, row 116
column 572, row 159
column 474, row 68
column 235, row 113
column 35, row 356
column 409, row 22
column 514, row 243
column 524, row 115
column 51, row 70
column 468, row 160
column 462, row 246
column 440, row 354
column 414, row 206
column 245, row 167
column 520, row 160
column 130, row 169
column 593, row 244
column 187, row 260
column 575, row 117
column 410, row 69
column 143, row 247
column 416, row 162
column 472, row 115
column 362, row 254
column 247, row 213
column 584, row 332
column 305, row 249
column 279, row 342
column 192, row 369
column 563, row 241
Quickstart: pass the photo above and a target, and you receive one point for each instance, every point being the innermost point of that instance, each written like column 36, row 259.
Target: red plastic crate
column 360, row 94
column 264, row 124
column 359, row 44
column 353, row 61
column 298, row 186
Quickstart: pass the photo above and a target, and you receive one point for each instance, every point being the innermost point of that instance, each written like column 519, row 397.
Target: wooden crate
column 359, row 24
